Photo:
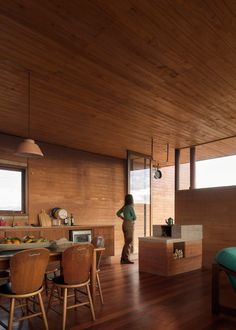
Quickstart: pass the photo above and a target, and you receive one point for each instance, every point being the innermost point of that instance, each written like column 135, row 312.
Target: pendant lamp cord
column 152, row 148
column 167, row 152
column 29, row 76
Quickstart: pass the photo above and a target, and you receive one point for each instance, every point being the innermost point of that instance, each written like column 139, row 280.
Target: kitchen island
column 166, row 256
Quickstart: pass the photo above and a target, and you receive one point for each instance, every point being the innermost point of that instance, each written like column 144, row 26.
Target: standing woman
column 127, row 214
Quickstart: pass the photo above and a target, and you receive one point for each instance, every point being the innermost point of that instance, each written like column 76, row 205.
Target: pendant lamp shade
column 28, row 147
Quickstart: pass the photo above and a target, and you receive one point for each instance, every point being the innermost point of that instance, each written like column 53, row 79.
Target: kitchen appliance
column 80, row 236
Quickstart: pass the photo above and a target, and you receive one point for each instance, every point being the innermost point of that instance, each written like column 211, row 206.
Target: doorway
column 139, row 185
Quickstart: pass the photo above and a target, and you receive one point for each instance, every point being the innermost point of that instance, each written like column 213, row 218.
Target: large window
column 215, row 165
column 216, row 172
column 12, row 190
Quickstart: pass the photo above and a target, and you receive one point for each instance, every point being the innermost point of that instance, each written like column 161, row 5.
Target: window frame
column 23, row 171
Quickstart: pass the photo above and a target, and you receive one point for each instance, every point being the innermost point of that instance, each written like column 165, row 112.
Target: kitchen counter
column 57, row 232
column 166, row 240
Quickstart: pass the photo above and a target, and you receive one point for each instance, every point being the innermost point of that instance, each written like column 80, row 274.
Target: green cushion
column 227, row 258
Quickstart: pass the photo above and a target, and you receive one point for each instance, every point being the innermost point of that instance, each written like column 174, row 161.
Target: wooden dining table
column 55, row 255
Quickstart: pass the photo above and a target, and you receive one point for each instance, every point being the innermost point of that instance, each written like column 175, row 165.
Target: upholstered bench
column 225, row 260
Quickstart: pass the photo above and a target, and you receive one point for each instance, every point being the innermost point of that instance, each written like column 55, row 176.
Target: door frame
column 140, row 155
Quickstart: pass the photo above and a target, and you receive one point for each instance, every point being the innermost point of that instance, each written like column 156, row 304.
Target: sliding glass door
column 139, row 185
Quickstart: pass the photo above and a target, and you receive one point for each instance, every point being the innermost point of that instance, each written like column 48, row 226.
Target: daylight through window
column 216, row 172
column 12, row 189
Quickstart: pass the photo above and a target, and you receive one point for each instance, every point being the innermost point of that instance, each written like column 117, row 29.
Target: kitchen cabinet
column 52, row 233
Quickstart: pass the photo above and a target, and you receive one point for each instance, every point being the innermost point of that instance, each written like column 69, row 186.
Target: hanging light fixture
column 28, row 147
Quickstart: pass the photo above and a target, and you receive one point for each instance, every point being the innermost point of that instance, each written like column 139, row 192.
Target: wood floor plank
column 136, row 300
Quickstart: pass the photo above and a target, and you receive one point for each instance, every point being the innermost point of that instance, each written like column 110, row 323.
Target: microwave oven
column 80, row 236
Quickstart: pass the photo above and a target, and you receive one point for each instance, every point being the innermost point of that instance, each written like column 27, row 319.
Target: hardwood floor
column 136, row 300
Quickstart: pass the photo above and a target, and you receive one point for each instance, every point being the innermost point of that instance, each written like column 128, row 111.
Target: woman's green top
column 127, row 212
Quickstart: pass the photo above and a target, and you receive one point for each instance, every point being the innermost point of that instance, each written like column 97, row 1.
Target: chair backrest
column 98, row 241
column 76, row 263
column 27, row 270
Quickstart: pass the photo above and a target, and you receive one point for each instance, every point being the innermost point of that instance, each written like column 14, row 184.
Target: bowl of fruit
column 27, row 242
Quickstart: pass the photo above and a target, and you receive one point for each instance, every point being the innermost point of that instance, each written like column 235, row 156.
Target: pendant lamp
column 28, row 147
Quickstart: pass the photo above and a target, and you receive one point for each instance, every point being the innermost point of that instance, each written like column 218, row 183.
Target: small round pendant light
column 28, row 147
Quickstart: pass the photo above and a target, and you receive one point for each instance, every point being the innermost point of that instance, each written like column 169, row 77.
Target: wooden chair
column 98, row 242
column 76, row 265
column 27, row 270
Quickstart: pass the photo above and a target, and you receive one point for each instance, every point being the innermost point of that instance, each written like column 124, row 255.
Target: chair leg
column 64, row 309
column 11, row 314
column 60, row 292
column 100, row 288
column 90, row 302
column 75, row 297
column 34, row 303
column 46, row 284
column 43, row 311
column 50, row 297
column 21, row 302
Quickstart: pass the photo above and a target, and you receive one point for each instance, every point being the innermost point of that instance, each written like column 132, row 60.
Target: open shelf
column 178, row 246
column 166, row 231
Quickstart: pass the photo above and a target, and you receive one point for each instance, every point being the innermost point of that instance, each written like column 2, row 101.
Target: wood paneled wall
column 90, row 186
column 215, row 209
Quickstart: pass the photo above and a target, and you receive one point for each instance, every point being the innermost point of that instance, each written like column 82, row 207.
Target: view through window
column 11, row 181
column 140, row 186
column 216, row 172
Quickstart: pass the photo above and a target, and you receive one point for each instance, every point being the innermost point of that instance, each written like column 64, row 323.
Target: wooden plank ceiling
column 108, row 75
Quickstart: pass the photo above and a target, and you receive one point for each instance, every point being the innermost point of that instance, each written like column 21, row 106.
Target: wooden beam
column 192, row 168
column 177, row 159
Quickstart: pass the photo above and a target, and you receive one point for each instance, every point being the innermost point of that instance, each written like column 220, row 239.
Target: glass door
column 139, row 185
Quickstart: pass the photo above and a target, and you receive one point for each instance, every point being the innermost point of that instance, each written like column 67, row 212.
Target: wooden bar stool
column 27, row 270
column 76, row 265
column 98, row 242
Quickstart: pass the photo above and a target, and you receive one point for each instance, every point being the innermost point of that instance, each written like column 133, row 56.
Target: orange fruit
column 15, row 242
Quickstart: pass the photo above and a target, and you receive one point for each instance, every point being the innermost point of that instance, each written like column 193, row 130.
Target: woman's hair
column 129, row 199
